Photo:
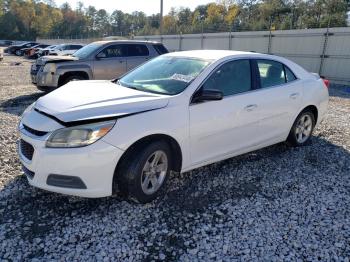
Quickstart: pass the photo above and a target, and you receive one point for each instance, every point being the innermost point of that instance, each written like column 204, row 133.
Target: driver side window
column 234, row 77
column 113, row 51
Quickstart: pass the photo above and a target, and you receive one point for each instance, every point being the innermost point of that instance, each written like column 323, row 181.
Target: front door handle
column 250, row 108
column 294, row 96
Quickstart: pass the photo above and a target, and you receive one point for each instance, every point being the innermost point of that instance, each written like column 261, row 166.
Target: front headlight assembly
column 28, row 109
column 79, row 136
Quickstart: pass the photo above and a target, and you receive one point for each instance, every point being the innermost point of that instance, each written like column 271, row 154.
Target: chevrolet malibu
column 177, row 112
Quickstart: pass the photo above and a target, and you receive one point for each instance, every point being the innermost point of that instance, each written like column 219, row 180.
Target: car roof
column 210, row 54
column 126, row 42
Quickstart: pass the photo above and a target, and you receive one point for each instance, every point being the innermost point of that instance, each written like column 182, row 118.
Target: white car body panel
column 76, row 102
column 206, row 132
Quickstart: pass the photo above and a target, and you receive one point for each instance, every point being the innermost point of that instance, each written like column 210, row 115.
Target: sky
column 128, row 6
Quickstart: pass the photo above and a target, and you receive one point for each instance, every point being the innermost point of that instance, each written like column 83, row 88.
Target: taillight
column 325, row 81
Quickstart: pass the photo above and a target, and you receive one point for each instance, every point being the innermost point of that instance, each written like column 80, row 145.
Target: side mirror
column 207, row 95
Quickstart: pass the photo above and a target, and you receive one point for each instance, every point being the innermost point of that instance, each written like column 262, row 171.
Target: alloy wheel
column 303, row 129
column 154, row 172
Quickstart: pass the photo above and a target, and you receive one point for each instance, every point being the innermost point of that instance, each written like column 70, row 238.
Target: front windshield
column 86, row 51
column 165, row 74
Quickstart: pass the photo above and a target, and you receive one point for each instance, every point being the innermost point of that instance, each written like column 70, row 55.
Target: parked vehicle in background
column 31, row 51
column 98, row 60
column 16, row 49
column 45, row 51
column 1, row 54
column 6, row 42
column 176, row 112
column 62, row 50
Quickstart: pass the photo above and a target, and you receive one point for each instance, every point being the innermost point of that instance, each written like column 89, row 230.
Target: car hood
column 84, row 101
column 55, row 59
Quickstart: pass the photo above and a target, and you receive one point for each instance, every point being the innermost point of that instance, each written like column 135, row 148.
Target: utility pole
column 161, row 18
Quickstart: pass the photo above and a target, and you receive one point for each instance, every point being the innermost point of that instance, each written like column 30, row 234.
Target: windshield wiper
column 124, row 85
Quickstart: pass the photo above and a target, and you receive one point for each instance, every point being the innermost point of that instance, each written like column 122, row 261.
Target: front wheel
column 18, row 52
column 302, row 129
column 143, row 174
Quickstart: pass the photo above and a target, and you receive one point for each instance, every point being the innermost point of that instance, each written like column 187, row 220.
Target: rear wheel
column 302, row 129
column 142, row 176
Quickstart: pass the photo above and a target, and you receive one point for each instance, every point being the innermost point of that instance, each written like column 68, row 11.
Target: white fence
column 317, row 50
column 323, row 51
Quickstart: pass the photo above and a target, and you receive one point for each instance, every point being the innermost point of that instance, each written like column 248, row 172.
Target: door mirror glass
column 207, row 95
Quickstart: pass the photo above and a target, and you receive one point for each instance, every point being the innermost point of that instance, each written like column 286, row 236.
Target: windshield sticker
column 183, row 78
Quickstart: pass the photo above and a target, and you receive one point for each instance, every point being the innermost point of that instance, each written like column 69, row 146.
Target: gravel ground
column 279, row 203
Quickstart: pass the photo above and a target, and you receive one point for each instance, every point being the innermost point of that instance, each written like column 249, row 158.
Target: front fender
column 63, row 69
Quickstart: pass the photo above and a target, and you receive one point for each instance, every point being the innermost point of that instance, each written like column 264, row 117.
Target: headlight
column 28, row 109
column 79, row 136
column 49, row 67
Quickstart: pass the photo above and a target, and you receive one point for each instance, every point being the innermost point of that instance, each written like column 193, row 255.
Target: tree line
column 28, row 19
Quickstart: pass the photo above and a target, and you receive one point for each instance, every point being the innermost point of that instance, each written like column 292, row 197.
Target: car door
column 218, row 128
column 110, row 62
column 137, row 54
column 279, row 99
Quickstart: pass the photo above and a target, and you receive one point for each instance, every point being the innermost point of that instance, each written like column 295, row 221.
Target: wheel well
column 69, row 74
column 173, row 144
column 314, row 110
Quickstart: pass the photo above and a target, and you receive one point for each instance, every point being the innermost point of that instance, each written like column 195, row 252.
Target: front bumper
column 46, row 79
column 94, row 165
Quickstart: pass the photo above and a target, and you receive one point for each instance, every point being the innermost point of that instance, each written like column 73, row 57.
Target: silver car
column 100, row 60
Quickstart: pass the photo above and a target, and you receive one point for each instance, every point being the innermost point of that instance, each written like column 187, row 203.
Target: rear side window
column 273, row 73
column 160, row 49
column 137, row 50
column 234, row 77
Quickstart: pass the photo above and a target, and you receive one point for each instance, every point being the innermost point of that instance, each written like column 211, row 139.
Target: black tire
column 292, row 139
column 72, row 78
column 130, row 174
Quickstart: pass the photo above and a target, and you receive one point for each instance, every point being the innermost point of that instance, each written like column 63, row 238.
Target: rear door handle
column 294, row 95
column 250, row 107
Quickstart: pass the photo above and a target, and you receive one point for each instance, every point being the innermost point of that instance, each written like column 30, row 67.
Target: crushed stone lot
column 278, row 203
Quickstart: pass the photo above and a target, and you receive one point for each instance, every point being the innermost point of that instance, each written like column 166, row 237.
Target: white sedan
column 176, row 112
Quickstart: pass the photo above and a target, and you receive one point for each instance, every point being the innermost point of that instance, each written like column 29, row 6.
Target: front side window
column 137, row 50
column 273, row 73
column 114, row 51
column 165, row 75
column 231, row 78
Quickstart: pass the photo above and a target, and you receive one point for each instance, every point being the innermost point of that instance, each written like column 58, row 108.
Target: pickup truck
column 102, row 60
